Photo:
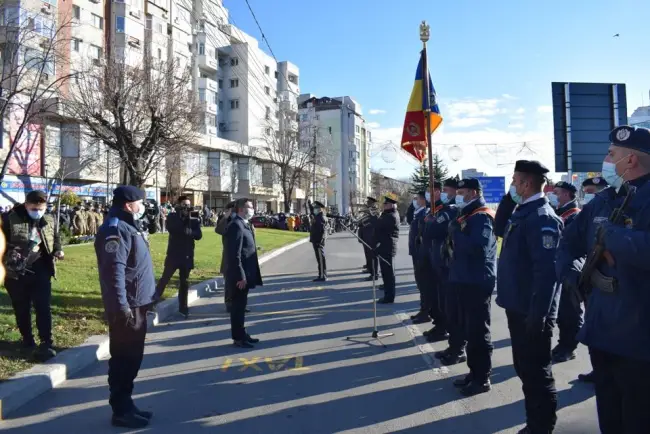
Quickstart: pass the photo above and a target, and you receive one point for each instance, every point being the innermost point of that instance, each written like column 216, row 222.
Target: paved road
column 305, row 377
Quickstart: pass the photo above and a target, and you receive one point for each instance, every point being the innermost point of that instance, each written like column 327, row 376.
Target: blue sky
column 492, row 66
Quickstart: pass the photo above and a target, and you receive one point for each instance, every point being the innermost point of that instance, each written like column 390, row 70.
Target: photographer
column 32, row 246
column 184, row 228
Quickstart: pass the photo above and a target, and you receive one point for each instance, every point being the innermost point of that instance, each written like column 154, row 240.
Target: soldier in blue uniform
column 527, row 290
column 472, row 272
column 128, row 288
column 569, row 316
column 386, row 237
column 617, row 324
column 415, row 241
column 317, row 237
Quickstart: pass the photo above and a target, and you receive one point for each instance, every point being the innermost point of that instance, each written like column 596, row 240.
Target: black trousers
column 32, row 289
column 239, row 299
column 418, row 271
column 183, row 276
column 475, row 304
column 319, row 250
column 449, row 302
column 126, row 345
column 532, row 360
column 622, row 397
column 371, row 262
column 388, row 276
column 569, row 319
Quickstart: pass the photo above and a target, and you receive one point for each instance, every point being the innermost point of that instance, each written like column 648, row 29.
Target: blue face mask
column 588, row 198
column 460, row 201
column 609, row 173
column 552, row 198
column 444, row 197
column 427, row 196
column 515, row 196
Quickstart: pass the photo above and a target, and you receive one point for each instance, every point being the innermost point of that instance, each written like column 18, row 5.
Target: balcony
column 209, row 107
column 209, row 84
column 208, row 63
column 209, row 130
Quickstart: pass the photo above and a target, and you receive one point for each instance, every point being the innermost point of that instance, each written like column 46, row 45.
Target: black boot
column 129, row 420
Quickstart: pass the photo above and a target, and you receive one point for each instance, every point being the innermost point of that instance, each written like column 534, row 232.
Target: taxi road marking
column 256, row 364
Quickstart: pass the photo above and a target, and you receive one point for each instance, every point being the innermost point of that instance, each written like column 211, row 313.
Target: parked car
column 260, row 221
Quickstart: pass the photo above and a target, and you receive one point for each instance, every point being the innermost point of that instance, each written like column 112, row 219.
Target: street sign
column 583, row 116
column 494, row 187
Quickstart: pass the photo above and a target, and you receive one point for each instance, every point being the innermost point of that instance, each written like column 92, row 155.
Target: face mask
column 138, row 215
column 36, row 214
column 552, row 198
column 588, row 197
column 316, row 211
column 250, row 212
column 460, row 201
column 610, row 175
column 444, row 197
column 415, row 204
column 427, row 196
column 515, row 196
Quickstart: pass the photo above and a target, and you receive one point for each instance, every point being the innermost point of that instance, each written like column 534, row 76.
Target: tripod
column 375, row 332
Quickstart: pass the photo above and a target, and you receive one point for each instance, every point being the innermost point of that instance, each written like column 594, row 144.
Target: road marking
column 426, row 350
column 273, row 365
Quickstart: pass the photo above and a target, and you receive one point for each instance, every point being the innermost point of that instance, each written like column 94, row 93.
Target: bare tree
column 142, row 109
column 32, row 43
column 182, row 171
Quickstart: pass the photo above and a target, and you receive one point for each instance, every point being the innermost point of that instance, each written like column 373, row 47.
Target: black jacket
column 180, row 247
column 318, row 230
column 504, row 211
column 387, row 233
column 241, row 251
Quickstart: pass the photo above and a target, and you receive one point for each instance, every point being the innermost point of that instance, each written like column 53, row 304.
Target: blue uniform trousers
column 570, row 319
column 475, row 303
column 450, row 301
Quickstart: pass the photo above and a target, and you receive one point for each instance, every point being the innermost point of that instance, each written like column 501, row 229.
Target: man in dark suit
column 242, row 269
column 221, row 227
column 317, row 237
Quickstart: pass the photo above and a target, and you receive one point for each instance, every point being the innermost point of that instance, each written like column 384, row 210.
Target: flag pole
column 424, row 37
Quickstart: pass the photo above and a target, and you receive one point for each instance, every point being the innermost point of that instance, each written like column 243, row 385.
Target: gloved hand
column 535, row 326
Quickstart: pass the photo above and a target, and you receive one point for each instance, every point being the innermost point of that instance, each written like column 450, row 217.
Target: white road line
column 426, row 350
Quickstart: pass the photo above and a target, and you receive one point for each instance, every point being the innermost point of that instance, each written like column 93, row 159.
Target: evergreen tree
column 440, row 172
column 420, row 178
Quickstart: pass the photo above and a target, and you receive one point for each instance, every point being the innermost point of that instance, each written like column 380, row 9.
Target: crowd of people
column 577, row 264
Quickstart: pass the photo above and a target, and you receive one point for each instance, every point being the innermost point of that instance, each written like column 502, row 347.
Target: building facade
column 641, row 117
column 339, row 129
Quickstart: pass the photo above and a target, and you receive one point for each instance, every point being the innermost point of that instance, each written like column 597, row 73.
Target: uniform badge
column 548, row 241
column 441, row 219
column 629, row 224
column 598, row 220
column 111, row 246
column 596, row 180
column 623, row 134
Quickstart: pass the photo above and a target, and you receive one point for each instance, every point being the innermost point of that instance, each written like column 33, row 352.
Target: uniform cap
column 636, row 138
column 566, row 186
column 470, row 183
column 371, row 199
column 390, row 198
column 318, row 204
column 597, row 181
column 422, row 193
column 531, row 166
column 127, row 193
column 451, row 182
column 36, row 196
column 230, row 205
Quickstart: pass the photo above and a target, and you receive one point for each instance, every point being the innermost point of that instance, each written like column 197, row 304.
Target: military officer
column 317, row 237
column 617, row 325
column 527, row 290
column 366, row 234
column 386, row 237
column 128, row 288
column 472, row 272
column 416, row 230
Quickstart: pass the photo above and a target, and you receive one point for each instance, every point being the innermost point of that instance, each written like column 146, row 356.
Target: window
column 201, row 95
column 267, row 90
column 98, row 21
column 159, row 27
column 220, row 84
column 95, row 52
column 268, row 132
column 76, row 12
column 148, row 22
column 75, row 44
column 201, row 49
column 357, row 129
column 268, row 113
column 276, row 74
column 43, row 26
column 214, row 163
column 234, row 104
column 120, row 24
column 220, row 105
column 267, row 70
column 159, row 53
column 234, row 61
column 234, row 82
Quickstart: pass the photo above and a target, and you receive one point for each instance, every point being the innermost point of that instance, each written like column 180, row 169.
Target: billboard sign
column 494, row 187
column 583, row 116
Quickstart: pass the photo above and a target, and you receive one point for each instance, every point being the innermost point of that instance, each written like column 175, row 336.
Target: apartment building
column 641, row 117
column 243, row 91
column 340, row 130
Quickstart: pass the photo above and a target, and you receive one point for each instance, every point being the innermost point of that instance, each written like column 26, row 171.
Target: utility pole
column 108, row 173
column 313, row 174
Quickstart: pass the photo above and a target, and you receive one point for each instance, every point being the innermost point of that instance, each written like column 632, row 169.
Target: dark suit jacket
column 241, row 251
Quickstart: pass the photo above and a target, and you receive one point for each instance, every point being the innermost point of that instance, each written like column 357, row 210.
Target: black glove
column 535, row 326
column 124, row 317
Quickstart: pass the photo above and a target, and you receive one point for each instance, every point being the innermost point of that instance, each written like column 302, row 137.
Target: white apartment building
column 339, row 127
column 242, row 88
column 640, row 117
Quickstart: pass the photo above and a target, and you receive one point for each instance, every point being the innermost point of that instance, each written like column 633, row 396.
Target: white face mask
column 552, row 198
column 250, row 212
column 460, row 201
column 316, row 211
column 444, row 197
column 140, row 213
column 36, row 214
column 588, row 198
column 415, row 204
column 427, row 196
column 610, row 175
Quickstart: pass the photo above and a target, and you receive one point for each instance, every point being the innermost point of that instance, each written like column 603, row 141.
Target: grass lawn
column 76, row 299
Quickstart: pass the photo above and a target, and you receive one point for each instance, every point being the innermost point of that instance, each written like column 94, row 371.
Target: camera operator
column 184, row 228
column 32, row 247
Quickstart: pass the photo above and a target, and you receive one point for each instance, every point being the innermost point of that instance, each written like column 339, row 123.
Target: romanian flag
column 422, row 103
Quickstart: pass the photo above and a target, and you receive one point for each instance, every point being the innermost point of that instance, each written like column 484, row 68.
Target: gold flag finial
column 424, row 31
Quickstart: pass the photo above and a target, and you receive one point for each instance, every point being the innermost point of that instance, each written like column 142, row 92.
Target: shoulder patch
column 442, row 218
column 111, row 246
column 600, row 219
column 549, row 241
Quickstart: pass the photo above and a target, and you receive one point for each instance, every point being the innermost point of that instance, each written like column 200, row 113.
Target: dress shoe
column 464, row 381
column 420, row 319
column 476, row 388
column 243, row 344
column 320, row 279
column 385, row 300
column 129, row 420
column 44, row 352
column 453, row 359
column 185, row 312
column 251, row 340
column 437, row 335
column 142, row 413
column 370, row 279
column 563, row 356
column 587, row 378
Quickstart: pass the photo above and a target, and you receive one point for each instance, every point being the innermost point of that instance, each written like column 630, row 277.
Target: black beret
column 422, row 193
column 318, row 204
column 566, row 186
column 636, row 138
column 533, row 167
column 451, row 182
column 36, row 196
column 437, row 185
column 371, row 199
column 597, row 181
column 127, row 193
column 470, row 183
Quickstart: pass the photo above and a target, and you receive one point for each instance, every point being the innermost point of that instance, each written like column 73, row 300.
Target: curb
column 27, row 385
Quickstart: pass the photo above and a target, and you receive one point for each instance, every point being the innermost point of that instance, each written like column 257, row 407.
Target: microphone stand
column 375, row 332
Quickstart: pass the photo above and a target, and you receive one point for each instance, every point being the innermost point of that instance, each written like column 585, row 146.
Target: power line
column 261, row 31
